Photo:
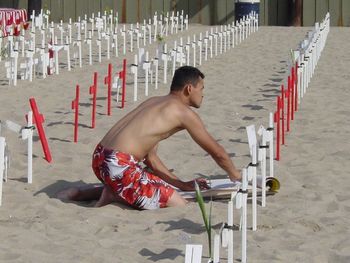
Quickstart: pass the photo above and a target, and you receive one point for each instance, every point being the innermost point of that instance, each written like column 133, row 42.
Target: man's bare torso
column 140, row 130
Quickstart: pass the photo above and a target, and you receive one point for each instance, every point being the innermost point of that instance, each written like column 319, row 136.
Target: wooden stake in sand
column 38, row 120
column 283, row 96
column 108, row 82
column 75, row 107
column 93, row 92
column 122, row 75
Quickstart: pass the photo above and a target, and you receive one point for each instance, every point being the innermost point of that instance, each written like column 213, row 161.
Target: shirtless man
column 135, row 138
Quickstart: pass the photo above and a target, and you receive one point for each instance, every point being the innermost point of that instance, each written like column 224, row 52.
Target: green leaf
column 207, row 221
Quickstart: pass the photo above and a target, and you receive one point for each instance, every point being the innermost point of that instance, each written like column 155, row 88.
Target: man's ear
column 188, row 89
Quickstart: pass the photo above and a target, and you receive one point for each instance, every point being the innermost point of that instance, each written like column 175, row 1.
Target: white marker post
column 116, row 85
column 108, row 38
column 194, row 44
column 146, row 67
column 70, row 30
column 244, row 215
column 156, row 62
column 88, row 41
column 229, row 230
column 92, row 20
column 67, row 49
column 211, row 43
column 149, row 26
column 225, row 38
column 134, row 71
column 173, row 55
column 193, row 253
column 216, row 252
column 144, row 32
column 262, row 158
column 186, row 22
column 56, row 49
column 166, row 20
column 79, row 53
column 252, row 170
column 200, row 45
column 115, row 43
column 271, row 144
column 252, row 141
column 2, row 164
column 228, row 36
column 180, row 53
column 206, row 46
column 131, row 34
column 155, row 23
column 27, row 134
column 165, row 63
column 1, row 43
column 221, row 42
column 123, row 33
column 188, row 50
column 137, row 33
column 216, row 41
column 98, row 42
column 60, row 28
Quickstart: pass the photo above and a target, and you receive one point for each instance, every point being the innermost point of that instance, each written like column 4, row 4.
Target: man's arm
column 159, row 169
column 194, row 125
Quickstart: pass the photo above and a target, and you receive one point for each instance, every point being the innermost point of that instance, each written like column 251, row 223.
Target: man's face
column 197, row 94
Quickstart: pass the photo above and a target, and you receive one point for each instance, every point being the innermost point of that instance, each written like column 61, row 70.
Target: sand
column 307, row 221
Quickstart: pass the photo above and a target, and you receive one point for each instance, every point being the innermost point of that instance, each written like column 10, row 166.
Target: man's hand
column 190, row 186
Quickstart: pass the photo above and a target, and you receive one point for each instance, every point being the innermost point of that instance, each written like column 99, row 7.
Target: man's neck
column 179, row 96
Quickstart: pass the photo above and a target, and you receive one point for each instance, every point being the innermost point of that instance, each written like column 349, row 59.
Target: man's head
column 189, row 80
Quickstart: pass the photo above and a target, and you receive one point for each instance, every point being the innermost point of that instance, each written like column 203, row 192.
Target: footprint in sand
column 310, row 225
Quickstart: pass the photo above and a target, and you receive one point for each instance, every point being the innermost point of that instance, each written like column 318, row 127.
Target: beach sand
column 307, row 221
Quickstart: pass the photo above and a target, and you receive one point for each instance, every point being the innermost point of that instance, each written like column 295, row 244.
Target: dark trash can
column 245, row 7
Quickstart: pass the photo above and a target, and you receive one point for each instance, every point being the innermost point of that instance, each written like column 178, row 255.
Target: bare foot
column 68, row 194
column 106, row 198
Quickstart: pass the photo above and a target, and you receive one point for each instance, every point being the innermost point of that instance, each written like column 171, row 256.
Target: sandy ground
column 307, row 221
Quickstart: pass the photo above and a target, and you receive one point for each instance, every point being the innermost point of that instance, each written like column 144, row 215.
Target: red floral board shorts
column 127, row 179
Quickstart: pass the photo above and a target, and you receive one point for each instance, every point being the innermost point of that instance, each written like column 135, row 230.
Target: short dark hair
column 185, row 75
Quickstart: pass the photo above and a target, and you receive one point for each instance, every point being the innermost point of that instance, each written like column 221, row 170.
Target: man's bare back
column 135, row 137
column 140, row 130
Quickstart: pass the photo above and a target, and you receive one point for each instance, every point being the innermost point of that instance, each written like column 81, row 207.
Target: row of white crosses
column 238, row 199
column 107, row 28
column 309, row 53
column 191, row 53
